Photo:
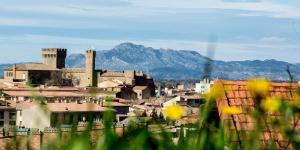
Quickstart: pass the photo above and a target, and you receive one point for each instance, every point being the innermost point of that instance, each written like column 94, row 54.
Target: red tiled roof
column 113, row 104
column 74, row 107
column 43, row 93
column 237, row 95
column 64, row 107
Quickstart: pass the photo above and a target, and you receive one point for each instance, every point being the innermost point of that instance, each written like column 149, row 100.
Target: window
column 1, row 123
column 1, row 114
column 9, row 74
column 51, row 101
column 12, row 123
column 12, row 115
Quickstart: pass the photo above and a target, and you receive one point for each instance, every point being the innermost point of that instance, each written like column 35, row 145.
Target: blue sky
column 245, row 29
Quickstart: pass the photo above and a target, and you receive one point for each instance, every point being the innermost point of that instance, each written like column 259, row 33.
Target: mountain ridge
column 185, row 64
column 182, row 64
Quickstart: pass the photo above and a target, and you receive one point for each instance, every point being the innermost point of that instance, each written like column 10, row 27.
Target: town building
column 58, row 95
column 35, row 114
column 189, row 100
column 7, row 114
column 128, row 78
column 190, row 103
column 204, row 86
column 143, row 92
column 52, row 71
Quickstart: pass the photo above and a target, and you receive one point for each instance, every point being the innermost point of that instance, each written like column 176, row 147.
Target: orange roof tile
column 237, row 94
column 139, row 88
column 43, row 93
column 74, row 107
column 64, row 107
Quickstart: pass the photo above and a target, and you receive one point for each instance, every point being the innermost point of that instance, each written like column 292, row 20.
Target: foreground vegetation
column 208, row 133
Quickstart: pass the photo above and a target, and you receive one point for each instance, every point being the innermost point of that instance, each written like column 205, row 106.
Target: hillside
column 182, row 64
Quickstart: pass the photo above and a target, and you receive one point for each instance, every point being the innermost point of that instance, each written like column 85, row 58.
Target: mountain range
column 182, row 64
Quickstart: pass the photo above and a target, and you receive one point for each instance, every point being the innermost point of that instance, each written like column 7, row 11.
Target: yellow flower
column 258, row 87
column 216, row 92
column 231, row 110
column 271, row 104
column 174, row 112
column 228, row 87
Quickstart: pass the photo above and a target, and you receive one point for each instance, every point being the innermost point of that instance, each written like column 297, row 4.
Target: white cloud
column 273, row 39
column 137, row 8
column 104, row 14
column 271, row 9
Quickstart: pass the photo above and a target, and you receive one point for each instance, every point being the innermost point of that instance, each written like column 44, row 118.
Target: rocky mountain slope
column 181, row 64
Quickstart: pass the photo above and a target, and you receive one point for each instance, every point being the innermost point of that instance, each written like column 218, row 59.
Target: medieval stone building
column 52, row 71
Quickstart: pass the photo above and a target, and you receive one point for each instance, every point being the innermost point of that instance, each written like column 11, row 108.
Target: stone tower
column 90, row 68
column 54, row 57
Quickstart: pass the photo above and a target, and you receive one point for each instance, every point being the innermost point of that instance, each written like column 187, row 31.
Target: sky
column 243, row 29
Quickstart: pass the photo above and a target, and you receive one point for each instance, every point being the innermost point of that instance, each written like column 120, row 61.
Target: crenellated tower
column 54, row 57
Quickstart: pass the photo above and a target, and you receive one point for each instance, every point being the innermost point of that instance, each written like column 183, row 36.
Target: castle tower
column 90, row 68
column 54, row 57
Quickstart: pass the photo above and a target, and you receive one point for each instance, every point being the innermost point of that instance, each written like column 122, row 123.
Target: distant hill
column 182, row 64
column 2, row 67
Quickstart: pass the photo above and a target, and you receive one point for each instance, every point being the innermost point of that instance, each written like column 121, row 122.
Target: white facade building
column 204, row 86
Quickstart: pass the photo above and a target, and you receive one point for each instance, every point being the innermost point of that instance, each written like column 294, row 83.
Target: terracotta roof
column 64, row 107
column 190, row 96
column 24, row 104
column 108, row 84
column 4, row 85
column 43, row 93
column 142, row 107
column 48, row 88
column 74, row 107
column 237, row 95
column 124, row 101
column 106, row 104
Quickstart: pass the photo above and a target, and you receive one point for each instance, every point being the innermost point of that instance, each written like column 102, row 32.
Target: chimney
column 14, row 68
